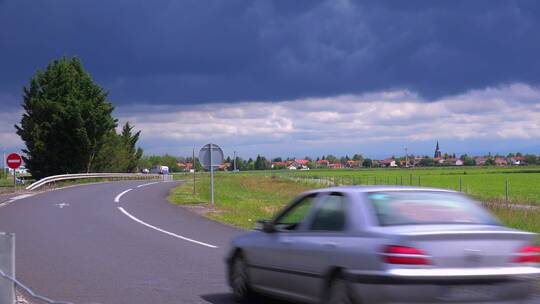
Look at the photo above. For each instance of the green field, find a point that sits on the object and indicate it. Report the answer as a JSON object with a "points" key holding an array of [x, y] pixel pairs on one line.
{"points": [[485, 183], [243, 198]]}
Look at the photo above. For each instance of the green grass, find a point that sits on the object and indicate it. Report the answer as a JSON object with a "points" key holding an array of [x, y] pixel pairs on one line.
{"points": [[485, 183], [6, 182], [241, 199]]}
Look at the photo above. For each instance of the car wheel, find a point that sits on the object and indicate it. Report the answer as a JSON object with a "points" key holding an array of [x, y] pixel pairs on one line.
{"points": [[339, 292], [240, 280]]}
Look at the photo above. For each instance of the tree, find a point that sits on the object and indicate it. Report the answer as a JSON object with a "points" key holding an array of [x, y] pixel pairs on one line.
{"points": [[531, 159], [129, 143], [367, 163], [426, 162], [332, 159], [66, 119], [119, 152], [490, 161], [358, 157], [469, 161]]}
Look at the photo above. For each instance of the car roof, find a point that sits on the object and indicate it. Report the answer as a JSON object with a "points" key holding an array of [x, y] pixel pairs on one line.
{"points": [[365, 189]]}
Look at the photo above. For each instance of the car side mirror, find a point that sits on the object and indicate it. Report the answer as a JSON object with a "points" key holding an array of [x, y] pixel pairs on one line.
{"points": [[265, 226]]}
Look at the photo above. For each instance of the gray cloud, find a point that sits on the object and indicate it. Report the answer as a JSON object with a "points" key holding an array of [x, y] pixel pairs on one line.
{"points": [[190, 52]]}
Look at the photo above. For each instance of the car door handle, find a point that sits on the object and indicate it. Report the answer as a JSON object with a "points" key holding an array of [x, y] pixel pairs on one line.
{"points": [[330, 245]]}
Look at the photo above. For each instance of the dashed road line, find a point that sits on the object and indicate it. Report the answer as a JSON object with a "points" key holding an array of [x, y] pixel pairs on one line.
{"points": [[117, 198], [164, 231], [144, 185]]}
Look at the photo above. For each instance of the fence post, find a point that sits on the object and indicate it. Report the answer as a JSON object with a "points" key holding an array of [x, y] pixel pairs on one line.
{"points": [[7, 264], [418, 180], [507, 189], [460, 184], [410, 180], [401, 179]]}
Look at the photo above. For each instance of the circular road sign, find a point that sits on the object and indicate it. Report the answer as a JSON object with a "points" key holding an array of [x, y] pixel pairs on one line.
{"points": [[210, 152], [14, 161]]}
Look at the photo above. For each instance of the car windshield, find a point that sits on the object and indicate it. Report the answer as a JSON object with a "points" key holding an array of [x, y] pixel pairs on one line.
{"points": [[424, 207]]}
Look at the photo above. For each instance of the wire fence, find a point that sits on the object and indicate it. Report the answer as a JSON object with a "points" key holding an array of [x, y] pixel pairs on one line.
{"points": [[523, 189]]}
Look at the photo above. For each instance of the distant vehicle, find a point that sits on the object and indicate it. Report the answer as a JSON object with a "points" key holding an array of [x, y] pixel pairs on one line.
{"points": [[385, 245], [145, 171], [160, 170]]}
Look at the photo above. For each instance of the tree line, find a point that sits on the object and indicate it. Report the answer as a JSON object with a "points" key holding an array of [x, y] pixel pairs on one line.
{"points": [[68, 127]]}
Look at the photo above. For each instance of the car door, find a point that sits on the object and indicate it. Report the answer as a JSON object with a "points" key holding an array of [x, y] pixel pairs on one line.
{"points": [[270, 268], [311, 251]]}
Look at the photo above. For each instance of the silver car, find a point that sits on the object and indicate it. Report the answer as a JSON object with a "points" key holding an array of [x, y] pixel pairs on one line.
{"points": [[385, 245]]}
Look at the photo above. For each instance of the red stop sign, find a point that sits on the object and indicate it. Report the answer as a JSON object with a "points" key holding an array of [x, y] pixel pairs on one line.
{"points": [[14, 161]]}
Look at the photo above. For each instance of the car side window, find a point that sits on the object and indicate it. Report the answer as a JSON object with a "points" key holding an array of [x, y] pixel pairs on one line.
{"points": [[291, 219], [331, 214]]}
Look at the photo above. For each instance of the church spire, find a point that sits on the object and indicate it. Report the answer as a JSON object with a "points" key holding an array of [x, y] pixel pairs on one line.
{"points": [[437, 151]]}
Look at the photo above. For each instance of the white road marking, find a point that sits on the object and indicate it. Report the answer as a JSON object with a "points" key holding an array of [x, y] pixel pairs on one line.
{"points": [[144, 185], [22, 196], [117, 198], [61, 205], [164, 231], [6, 203]]}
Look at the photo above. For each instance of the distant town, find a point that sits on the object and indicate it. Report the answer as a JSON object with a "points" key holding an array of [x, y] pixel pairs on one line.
{"points": [[439, 158]]}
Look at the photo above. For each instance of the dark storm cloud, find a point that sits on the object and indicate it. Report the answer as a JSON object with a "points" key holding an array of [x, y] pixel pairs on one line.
{"points": [[186, 52]]}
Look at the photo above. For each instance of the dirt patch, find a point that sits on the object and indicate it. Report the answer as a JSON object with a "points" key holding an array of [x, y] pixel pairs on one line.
{"points": [[202, 209]]}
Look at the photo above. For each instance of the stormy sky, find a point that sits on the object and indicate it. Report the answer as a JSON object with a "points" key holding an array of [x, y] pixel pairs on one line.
{"points": [[293, 78]]}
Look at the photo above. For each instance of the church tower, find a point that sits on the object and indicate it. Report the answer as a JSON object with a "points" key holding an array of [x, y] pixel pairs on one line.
{"points": [[438, 153]]}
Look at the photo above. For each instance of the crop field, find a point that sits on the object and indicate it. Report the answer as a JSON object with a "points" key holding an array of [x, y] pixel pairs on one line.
{"points": [[242, 198], [485, 183]]}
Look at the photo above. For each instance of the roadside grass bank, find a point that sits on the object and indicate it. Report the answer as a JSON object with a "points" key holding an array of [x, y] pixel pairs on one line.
{"points": [[241, 199]]}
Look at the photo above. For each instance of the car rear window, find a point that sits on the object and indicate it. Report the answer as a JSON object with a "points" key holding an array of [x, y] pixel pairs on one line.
{"points": [[423, 208]]}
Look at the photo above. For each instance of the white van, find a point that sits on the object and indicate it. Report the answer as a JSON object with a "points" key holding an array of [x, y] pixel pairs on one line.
{"points": [[160, 170]]}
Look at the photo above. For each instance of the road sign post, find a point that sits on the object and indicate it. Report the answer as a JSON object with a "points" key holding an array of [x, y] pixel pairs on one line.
{"points": [[14, 162], [210, 157]]}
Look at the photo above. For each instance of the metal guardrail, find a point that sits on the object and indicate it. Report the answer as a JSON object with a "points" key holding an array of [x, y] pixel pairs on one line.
{"points": [[28, 290], [57, 178]]}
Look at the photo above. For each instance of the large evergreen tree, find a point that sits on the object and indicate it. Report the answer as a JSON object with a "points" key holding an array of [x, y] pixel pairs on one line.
{"points": [[66, 119], [120, 152]]}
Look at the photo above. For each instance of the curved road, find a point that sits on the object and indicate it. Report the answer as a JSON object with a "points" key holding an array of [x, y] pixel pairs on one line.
{"points": [[87, 244]]}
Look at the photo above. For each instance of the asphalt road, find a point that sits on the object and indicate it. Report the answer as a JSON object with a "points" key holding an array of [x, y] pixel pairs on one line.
{"points": [[76, 245]]}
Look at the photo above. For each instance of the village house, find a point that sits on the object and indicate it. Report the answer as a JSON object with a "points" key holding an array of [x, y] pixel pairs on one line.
{"points": [[480, 160], [499, 161], [352, 164], [335, 166], [517, 160], [322, 163], [388, 163], [186, 167]]}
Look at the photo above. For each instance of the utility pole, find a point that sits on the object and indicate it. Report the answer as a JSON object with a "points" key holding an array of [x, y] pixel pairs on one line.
{"points": [[4, 161], [406, 158], [212, 174], [193, 167], [234, 170]]}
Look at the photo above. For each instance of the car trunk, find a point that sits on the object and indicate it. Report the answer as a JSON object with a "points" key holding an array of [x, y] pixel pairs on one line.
{"points": [[462, 246]]}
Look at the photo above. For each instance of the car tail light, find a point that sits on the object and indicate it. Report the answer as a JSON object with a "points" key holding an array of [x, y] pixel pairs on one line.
{"points": [[528, 254], [405, 256]]}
